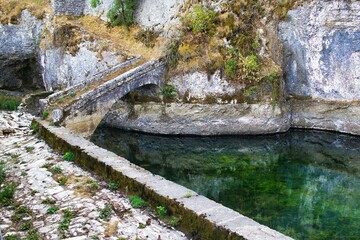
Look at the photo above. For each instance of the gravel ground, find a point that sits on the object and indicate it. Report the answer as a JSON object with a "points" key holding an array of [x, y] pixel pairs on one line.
{"points": [[55, 199]]}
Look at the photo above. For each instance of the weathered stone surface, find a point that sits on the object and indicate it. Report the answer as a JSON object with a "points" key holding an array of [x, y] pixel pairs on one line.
{"points": [[334, 116], [322, 44], [18, 64], [158, 15], [68, 7], [57, 115], [199, 85], [201, 119], [62, 70]]}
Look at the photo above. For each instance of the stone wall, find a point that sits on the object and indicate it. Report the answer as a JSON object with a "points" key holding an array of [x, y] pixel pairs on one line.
{"points": [[322, 50], [68, 7]]}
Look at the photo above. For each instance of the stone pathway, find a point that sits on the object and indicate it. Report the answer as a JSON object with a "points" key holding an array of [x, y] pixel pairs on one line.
{"points": [[55, 199]]}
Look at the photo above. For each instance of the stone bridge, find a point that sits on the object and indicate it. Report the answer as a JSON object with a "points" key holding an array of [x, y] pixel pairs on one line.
{"points": [[86, 113]]}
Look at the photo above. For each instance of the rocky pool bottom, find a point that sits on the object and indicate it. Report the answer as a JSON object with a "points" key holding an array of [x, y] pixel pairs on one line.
{"points": [[305, 184]]}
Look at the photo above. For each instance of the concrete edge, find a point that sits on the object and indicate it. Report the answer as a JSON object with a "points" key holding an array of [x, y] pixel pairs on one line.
{"points": [[201, 218]]}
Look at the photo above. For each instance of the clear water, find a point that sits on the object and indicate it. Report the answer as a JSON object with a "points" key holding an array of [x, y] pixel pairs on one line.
{"points": [[305, 184]]}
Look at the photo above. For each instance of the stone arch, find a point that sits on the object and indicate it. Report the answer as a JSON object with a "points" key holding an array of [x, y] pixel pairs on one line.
{"points": [[84, 116]]}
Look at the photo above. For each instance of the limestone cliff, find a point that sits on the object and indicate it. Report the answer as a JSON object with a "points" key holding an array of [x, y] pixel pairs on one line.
{"points": [[18, 53], [322, 50]]}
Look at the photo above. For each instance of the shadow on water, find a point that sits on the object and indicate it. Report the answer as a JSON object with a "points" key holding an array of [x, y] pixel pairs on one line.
{"points": [[303, 183]]}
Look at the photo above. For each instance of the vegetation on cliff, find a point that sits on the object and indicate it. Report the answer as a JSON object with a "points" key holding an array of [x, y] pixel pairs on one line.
{"points": [[235, 40], [10, 10]]}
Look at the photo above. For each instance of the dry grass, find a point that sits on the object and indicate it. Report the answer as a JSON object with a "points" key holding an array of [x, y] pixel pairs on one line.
{"points": [[117, 37], [10, 10], [111, 229]]}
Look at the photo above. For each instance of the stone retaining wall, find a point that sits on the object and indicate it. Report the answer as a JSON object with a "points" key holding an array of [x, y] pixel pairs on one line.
{"points": [[201, 218]]}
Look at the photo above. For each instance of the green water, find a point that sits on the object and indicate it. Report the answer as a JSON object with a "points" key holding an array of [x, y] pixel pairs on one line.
{"points": [[305, 184]]}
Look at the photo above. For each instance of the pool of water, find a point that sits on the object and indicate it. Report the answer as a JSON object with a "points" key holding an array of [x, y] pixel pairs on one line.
{"points": [[305, 184]]}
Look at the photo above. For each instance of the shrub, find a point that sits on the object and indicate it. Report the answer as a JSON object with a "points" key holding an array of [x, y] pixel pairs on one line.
{"points": [[56, 170], [113, 185], [231, 67], [62, 180], [171, 54], [168, 92], [45, 114], [65, 223], [251, 91], [137, 202], [95, 3], [122, 13], [7, 194], [68, 156], [25, 226], [250, 64], [33, 235], [9, 103], [147, 37], [12, 237], [161, 211], [48, 201], [105, 213], [52, 209], [29, 149], [34, 126], [201, 19], [2, 172]]}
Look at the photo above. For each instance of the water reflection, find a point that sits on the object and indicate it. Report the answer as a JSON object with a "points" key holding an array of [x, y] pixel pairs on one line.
{"points": [[303, 183]]}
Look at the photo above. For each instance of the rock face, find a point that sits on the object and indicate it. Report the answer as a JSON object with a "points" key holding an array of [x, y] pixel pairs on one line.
{"points": [[322, 50], [18, 64], [201, 119], [159, 15], [68, 7], [199, 85], [61, 69], [334, 116]]}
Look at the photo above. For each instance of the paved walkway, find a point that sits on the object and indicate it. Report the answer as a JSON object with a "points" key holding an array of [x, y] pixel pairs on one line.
{"points": [[55, 199]]}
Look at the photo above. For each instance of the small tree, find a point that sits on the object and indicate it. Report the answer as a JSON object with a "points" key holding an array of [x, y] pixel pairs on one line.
{"points": [[122, 13], [168, 92]]}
